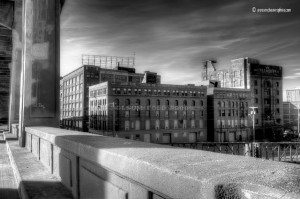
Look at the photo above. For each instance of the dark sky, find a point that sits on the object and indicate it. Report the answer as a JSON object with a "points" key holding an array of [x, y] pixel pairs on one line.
{"points": [[173, 37]]}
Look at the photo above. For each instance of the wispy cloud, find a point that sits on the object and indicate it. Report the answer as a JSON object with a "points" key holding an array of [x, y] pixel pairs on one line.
{"points": [[173, 37]]}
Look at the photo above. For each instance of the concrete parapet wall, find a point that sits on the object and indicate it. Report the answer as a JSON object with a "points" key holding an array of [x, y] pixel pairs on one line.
{"points": [[94, 166]]}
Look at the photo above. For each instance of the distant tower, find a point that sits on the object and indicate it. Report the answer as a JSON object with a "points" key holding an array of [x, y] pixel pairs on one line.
{"points": [[207, 69]]}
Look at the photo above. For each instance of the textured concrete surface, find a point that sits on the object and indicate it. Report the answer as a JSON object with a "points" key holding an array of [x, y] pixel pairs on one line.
{"points": [[35, 180], [180, 173], [8, 186]]}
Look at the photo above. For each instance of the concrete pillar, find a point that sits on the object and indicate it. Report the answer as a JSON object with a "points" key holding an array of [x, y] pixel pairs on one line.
{"points": [[16, 65], [39, 92]]}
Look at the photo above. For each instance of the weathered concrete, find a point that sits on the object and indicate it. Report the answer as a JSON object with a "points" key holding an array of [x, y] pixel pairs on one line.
{"points": [[6, 13], [139, 169], [8, 186], [16, 64], [34, 180], [39, 93]]}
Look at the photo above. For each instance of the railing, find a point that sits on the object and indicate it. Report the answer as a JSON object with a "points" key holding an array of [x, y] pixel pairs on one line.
{"points": [[277, 151]]}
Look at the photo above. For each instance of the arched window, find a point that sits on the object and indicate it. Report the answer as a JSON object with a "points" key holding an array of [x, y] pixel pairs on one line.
{"points": [[138, 102], [116, 101], [167, 103], [193, 103], [184, 103], [219, 104], [201, 103], [157, 102], [127, 102]]}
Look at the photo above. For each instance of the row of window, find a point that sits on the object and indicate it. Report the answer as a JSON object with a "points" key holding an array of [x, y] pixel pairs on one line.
{"points": [[99, 92], [158, 102], [232, 123], [71, 89], [130, 91], [233, 113], [266, 83], [230, 104], [74, 80], [71, 98]]}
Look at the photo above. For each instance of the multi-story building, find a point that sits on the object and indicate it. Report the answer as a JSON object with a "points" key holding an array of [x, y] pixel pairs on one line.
{"points": [[291, 109], [74, 89], [5, 60], [149, 112], [227, 116], [265, 83], [290, 116]]}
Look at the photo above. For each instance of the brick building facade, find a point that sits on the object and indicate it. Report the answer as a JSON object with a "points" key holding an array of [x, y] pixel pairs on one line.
{"points": [[228, 119], [265, 83]]}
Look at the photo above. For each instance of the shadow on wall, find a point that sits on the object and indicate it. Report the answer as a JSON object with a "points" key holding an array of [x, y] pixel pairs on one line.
{"points": [[8, 193]]}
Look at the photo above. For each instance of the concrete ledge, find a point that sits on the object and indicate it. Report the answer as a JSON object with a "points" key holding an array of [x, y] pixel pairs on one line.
{"points": [[33, 179], [9, 136], [173, 172]]}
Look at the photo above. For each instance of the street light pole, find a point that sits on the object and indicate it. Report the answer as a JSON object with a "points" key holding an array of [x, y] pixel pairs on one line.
{"points": [[252, 114], [298, 120]]}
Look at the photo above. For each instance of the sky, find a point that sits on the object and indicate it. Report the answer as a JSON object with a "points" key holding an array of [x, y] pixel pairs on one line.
{"points": [[174, 37]]}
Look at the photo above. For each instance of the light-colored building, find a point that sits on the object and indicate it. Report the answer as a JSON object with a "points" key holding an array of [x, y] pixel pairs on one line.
{"points": [[149, 112], [291, 109]]}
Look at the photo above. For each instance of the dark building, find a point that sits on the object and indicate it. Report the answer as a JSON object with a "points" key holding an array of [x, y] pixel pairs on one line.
{"points": [[265, 83], [227, 115], [74, 86], [5, 60], [149, 112]]}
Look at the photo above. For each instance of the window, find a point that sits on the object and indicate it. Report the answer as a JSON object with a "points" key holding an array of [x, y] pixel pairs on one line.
{"points": [[255, 91], [166, 124], [193, 103], [201, 103], [176, 102], [184, 124], [127, 102], [256, 100], [255, 82], [157, 124], [127, 114], [157, 113], [157, 103]]}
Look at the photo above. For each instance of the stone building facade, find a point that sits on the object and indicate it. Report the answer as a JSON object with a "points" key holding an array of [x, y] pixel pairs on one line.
{"points": [[149, 112]]}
